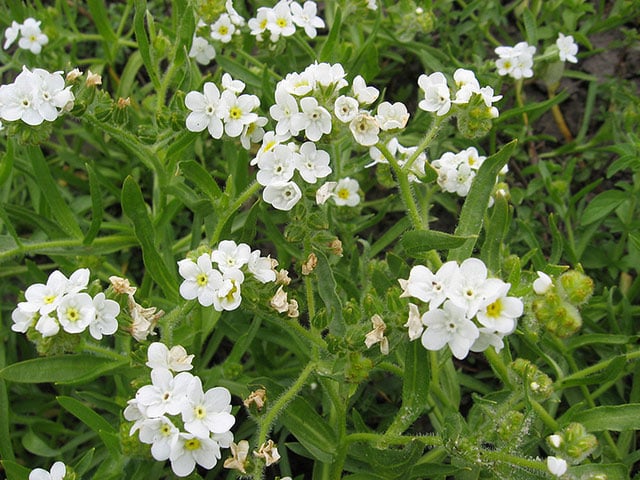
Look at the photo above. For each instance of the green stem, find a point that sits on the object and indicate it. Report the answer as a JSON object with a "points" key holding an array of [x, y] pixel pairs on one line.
{"points": [[500, 456], [426, 141], [244, 196], [405, 188], [385, 440], [266, 422], [498, 365], [164, 86], [104, 352], [548, 420], [585, 372]]}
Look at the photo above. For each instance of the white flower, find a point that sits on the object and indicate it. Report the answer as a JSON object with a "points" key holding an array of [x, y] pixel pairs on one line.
{"points": [[276, 165], [437, 97], [205, 413], [557, 466], [201, 280], [202, 51], [32, 37], [176, 358], [161, 434], [105, 322], [470, 289], [46, 298], [346, 192], [306, 17], [392, 116], [78, 280], [223, 28], [501, 314], [464, 78], [134, 412], [57, 472], [297, 83], [262, 268], [429, 287], [567, 48], [166, 394], [314, 119], [11, 33], [282, 196], [365, 129], [76, 312], [364, 94], [517, 61], [19, 100], [414, 322], [22, 319], [283, 111], [542, 284], [204, 110], [237, 111], [231, 256], [345, 108], [312, 163], [229, 83], [188, 450], [488, 338], [280, 21], [253, 132], [449, 326], [233, 14], [327, 74], [47, 326], [228, 296], [258, 25]]}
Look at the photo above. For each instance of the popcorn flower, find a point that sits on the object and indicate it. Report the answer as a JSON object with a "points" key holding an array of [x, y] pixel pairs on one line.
{"points": [[567, 48], [57, 472]]}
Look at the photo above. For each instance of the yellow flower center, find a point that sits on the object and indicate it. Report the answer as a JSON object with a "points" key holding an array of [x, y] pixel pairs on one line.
{"points": [[223, 30], [192, 444], [281, 22], [49, 299], [72, 314], [202, 279], [235, 113], [343, 193], [165, 430], [200, 411], [495, 309]]}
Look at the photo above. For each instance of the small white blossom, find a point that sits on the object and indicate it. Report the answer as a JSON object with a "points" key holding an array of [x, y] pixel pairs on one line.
{"points": [[567, 48], [204, 111], [363, 93], [76, 312], [176, 358], [312, 163], [314, 119], [437, 97], [32, 37], [105, 322], [346, 192], [231, 256], [392, 116], [449, 326], [282, 196], [201, 280], [345, 108], [557, 466], [57, 472], [202, 51], [542, 284], [223, 29], [189, 450], [365, 129], [306, 17]]}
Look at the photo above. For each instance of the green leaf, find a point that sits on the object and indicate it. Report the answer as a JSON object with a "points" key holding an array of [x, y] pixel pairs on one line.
{"points": [[6, 167], [495, 234], [134, 207], [240, 72], [600, 338], [330, 49], [197, 174], [389, 463], [611, 471], [92, 420], [327, 290], [15, 471], [101, 18], [415, 386], [614, 370], [530, 27], [615, 418], [144, 47], [64, 369], [310, 429], [477, 201], [97, 209], [36, 445], [84, 464], [602, 205], [58, 207], [417, 242]]}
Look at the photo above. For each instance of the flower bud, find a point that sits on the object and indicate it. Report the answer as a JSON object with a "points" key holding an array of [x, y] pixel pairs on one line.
{"points": [[577, 287], [510, 425], [557, 315], [537, 382], [579, 443]]}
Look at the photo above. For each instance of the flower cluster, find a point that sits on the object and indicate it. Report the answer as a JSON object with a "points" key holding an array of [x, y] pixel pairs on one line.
{"points": [[457, 295], [278, 21], [456, 171], [35, 96], [282, 19], [58, 472], [31, 36], [437, 95], [221, 287], [344, 192], [63, 303], [230, 112], [182, 423], [517, 61]]}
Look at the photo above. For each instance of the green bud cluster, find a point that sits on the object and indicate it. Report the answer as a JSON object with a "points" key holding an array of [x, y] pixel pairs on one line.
{"points": [[538, 383], [510, 425], [557, 309], [58, 344], [573, 443], [475, 119]]}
